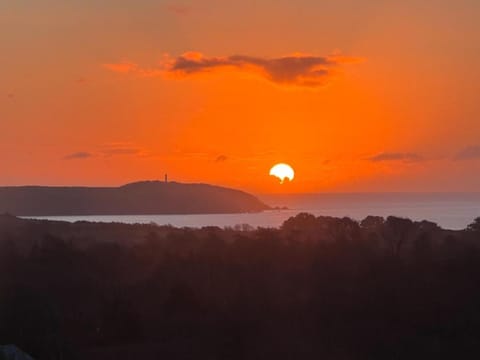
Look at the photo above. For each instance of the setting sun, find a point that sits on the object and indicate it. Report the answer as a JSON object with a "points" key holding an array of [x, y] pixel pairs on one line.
{"points": [[282, 171]]}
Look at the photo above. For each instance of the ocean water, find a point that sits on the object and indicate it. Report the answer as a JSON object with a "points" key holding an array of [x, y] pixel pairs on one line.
{"points": [[449, 210]]}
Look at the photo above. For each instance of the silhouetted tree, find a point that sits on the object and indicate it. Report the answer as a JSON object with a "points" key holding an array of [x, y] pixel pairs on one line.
{"points": [[474, 226], [372, 223], [300, 222], [397, 231], [422, 247]]}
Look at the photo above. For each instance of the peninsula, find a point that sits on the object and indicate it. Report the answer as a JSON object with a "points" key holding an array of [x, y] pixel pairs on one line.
{"points": [[139, 198]]}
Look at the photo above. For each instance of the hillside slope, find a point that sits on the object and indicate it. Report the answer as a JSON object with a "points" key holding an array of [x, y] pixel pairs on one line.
{"points": [[141, 198]]}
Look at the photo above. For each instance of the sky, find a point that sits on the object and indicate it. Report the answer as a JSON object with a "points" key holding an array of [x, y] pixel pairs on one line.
{"points": [[357, 96]]}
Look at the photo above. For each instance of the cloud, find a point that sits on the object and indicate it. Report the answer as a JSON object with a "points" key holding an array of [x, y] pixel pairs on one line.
{"points": [[469, 153], [114, 149], [393, 156], [110, 150], [120, 151], [79, 155], [122, 67], [221, 158], [178, 9], [299, 70], [294, 70]]}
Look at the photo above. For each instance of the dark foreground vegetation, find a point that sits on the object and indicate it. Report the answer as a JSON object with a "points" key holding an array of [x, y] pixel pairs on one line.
{"points": [[318, 288]]}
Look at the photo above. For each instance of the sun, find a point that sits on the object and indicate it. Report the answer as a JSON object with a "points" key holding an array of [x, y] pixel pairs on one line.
{"points": [[282, 171]]}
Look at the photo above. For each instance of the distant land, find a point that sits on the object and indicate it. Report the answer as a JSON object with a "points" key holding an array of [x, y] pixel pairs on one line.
{"points": [[139, 198]]}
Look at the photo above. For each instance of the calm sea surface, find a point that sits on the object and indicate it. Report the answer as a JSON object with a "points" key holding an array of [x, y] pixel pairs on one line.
{"points": [[449, 210]]}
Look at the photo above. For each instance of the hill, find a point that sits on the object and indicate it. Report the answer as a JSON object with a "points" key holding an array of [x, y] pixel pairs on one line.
{"points": [[140, 198]]}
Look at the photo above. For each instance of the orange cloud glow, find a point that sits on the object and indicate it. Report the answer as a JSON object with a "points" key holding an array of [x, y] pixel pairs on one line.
{"points": [[123, 67], [295, 70], [394, 156], [177, 9]]}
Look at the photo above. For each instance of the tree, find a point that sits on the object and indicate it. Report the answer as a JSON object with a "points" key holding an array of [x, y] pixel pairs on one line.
{"points": [[303, 226], [372, 223], [474, 226], [300, 222], [397, 232], [344, 229]]}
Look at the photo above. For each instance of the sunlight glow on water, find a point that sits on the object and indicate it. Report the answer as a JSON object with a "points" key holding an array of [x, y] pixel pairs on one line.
{"points": [[451, 211]]}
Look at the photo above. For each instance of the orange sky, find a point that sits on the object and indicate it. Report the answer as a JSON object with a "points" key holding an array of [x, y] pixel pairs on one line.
{"points": [[367, 95]]}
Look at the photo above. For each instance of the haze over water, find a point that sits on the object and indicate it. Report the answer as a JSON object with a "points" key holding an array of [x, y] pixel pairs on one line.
{"points": [[449, 210]]}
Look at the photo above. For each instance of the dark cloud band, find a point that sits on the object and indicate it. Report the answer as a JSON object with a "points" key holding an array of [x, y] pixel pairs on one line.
{"points": [[78, 155], [295, 70], [300, 70], [392, 156], [469, 153]]}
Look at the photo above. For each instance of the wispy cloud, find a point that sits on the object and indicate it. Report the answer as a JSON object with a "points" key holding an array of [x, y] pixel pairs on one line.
{"points": [[178, 9], [221, 158], [396, 156], [114, 149], [295, 70], [468, 153], [78, 155], [110, 150], [122, 67]]}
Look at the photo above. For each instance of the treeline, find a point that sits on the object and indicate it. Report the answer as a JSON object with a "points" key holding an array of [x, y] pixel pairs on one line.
{"points": [[317, 288]]}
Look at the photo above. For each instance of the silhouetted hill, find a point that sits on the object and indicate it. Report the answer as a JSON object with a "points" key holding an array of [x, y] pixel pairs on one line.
{"points": [[147, 197]]}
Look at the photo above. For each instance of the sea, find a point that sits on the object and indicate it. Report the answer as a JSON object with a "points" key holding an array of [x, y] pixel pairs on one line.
{"points": [[449, 210]]}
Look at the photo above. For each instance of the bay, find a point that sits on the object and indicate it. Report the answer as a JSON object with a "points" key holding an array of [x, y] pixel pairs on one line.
{"points": [[449, 210]]}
